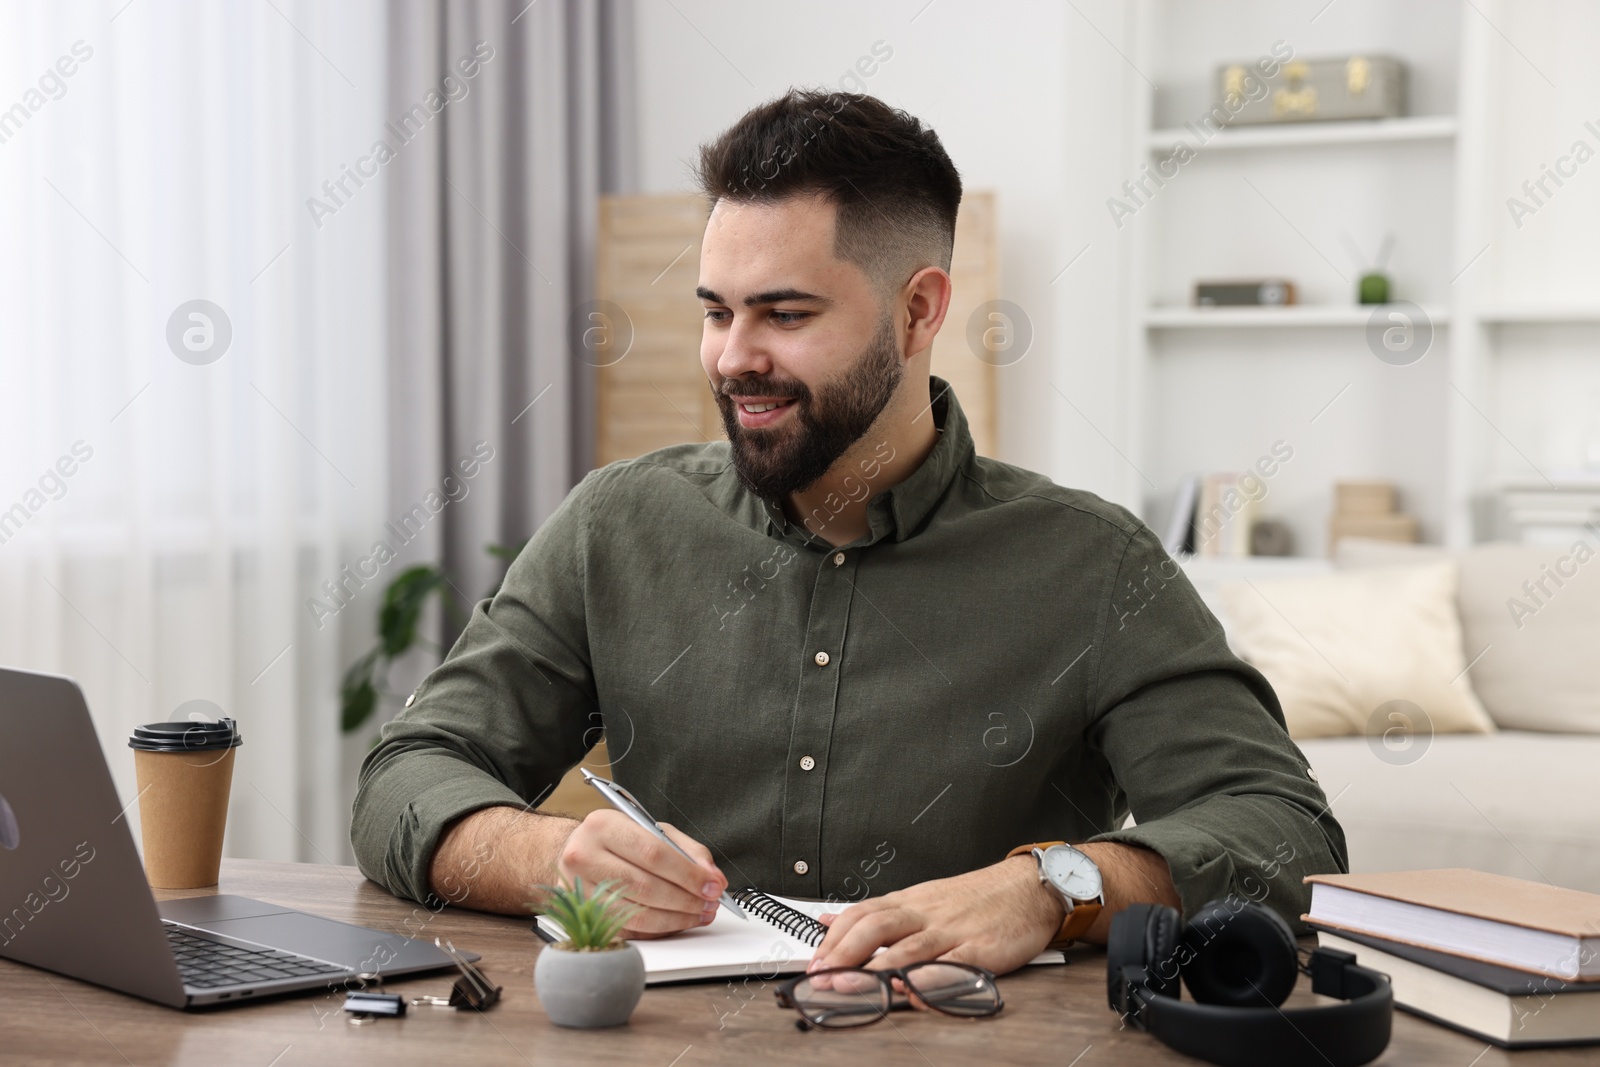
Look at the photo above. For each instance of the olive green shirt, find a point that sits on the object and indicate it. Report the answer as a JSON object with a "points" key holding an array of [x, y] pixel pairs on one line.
{"points": [[999, 661]]}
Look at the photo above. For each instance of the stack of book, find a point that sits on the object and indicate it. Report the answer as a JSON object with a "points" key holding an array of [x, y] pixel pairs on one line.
{"points": [[1368, 509], [1515, 963], [1552, 512]]}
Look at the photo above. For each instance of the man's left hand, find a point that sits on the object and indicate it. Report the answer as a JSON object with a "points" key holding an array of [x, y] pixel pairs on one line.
{"points": [[998, 917]]}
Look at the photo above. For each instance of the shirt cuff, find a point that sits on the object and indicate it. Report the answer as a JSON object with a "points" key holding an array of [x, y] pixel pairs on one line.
{"points": [[408, 855], [1200, 866]]}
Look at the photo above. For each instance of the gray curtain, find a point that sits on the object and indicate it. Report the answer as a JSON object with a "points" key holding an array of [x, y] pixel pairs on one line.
{"points": [[508, 120]]}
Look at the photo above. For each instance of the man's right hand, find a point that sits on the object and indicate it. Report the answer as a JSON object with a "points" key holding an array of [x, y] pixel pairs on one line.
{"points": [[672, 893]]}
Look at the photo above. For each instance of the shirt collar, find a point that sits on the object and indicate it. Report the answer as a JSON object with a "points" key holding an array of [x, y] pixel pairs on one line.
{"points": [[901, 510]]}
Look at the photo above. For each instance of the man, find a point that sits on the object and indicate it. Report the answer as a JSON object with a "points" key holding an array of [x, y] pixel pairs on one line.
{"points": [[845, 657]]}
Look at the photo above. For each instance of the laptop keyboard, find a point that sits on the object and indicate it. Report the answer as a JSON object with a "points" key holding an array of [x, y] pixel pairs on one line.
{"points": [[207, 964]]}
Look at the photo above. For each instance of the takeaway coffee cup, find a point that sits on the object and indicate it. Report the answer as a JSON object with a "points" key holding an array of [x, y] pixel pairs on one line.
{"points": [[185, 770]]}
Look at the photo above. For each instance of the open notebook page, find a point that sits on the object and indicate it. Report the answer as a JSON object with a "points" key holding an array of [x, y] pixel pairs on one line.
{"points": [[729, 947]]}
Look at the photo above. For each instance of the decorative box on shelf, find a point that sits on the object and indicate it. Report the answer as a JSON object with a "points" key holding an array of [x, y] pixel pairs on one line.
{"points": [[1349, 87], [1255, 292]]}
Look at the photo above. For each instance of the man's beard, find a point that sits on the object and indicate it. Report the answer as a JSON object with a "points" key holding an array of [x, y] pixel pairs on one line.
{"points": [[774, 463]]}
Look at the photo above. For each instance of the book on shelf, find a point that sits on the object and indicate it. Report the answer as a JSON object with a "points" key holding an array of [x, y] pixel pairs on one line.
{"points": [[1501, 1005], [1179, 539], [1223, 517], [1511, 922]]}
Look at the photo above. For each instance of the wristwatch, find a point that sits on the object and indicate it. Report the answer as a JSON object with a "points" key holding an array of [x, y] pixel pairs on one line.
{"points": [[1075, 878]]}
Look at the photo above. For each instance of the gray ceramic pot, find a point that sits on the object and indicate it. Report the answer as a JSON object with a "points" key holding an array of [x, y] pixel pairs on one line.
{"points": [[586, 990]]}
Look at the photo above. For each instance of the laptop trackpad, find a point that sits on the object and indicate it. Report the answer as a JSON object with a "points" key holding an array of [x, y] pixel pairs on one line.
{"points": [[308, 935], [194, 911]]}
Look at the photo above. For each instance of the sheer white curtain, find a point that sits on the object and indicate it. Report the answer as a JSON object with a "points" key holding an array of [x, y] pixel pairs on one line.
{"points": [[166, 510]]}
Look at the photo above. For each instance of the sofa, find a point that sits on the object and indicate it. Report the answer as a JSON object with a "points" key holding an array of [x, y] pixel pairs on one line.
{"points": [[1507, 777]]}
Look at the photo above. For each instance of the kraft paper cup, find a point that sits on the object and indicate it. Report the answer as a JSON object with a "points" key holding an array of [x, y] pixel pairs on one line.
{"points": [[185, 772]]}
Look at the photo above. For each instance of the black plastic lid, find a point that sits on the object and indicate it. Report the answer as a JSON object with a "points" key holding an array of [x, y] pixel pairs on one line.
{"points": [[186, 736]]}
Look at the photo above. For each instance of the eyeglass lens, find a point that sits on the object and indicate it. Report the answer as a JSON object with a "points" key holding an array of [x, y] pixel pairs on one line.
{"points": [[846, 998], [953, 989], [842, 998]]}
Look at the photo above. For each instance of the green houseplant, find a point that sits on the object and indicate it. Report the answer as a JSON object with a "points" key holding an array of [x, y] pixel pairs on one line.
{"points": [[365, 682], [593, 978]]}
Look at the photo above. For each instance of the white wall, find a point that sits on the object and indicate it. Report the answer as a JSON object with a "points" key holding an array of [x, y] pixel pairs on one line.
{"points": [[1026, 98], [1543, 392]]}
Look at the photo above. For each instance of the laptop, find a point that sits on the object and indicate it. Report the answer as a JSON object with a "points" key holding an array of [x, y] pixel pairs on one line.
{"points": [[73, 895]]}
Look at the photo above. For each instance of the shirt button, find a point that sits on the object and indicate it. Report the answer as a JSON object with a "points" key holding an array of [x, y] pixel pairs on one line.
{"points": [[838, 558], [801, 866], [412, 699], [1311, 774], [806, 763], [822, 659]]}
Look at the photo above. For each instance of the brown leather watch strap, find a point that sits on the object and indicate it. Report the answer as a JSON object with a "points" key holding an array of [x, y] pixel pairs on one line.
{"points": [[1080, 918], [1077, 923]]}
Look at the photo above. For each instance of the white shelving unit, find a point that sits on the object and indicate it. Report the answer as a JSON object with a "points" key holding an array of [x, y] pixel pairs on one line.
{"points": [[1303, 134], [1506, 388], [1268, 318], [1540, 314]]}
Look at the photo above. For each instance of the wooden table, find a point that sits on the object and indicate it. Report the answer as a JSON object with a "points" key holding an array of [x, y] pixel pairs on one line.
{"points": [[1054, 1015]]}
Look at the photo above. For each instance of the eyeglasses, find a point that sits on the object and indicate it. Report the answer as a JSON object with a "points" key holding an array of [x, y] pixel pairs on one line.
{"points": [[842, 997]]}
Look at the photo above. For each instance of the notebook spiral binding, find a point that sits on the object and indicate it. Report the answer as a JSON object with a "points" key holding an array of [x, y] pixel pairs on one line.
{"points": [[797, 924]]}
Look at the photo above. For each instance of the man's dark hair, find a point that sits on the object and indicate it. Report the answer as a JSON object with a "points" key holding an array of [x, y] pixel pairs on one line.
{"points": [[894, 186]]}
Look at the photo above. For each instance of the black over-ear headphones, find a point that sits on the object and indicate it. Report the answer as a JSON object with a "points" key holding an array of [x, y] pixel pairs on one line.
{"points": [[1239, 961]]}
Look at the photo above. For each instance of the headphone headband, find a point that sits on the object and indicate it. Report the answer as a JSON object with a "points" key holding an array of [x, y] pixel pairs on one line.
{"points": [[1346, 1035], [1143, 947]]}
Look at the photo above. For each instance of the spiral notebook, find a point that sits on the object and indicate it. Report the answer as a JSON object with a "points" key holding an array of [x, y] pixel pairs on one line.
{"points": [[779, 939]]}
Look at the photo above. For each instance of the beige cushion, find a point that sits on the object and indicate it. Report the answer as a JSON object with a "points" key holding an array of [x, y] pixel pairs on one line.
{"points": [[1535, 654], [1341, 648]]}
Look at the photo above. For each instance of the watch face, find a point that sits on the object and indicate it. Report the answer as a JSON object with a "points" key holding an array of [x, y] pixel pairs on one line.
{"points": [[1073, 873]]}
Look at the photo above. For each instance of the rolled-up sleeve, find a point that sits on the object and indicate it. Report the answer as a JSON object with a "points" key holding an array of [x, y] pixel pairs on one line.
{"points": [[510, 710], [1196, 741]]}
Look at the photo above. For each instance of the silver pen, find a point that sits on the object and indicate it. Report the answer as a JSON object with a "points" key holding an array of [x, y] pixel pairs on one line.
{"points": [[629, 805]]}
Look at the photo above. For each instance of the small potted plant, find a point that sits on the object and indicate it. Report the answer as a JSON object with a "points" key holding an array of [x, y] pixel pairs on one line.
{"points": [[593, 978]]}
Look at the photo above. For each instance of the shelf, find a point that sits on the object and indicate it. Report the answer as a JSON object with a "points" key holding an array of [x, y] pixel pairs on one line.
{"points": [[1292, 317], [1209, 574], [1299, 134], [1535, 314], [1236, 567]]}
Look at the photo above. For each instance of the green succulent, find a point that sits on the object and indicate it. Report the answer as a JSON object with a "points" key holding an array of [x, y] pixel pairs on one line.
{"points": [[592, 921]]}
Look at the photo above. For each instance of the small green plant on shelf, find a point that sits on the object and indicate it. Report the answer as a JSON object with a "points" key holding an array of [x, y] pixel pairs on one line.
{"points": [[592, 921], [398, 617]]}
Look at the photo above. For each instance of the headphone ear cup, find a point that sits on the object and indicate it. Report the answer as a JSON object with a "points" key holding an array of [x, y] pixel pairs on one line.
{"points": [[1124, 951], [1161, 946], [1125, 942], [1239, 958], [1142, 939]]}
